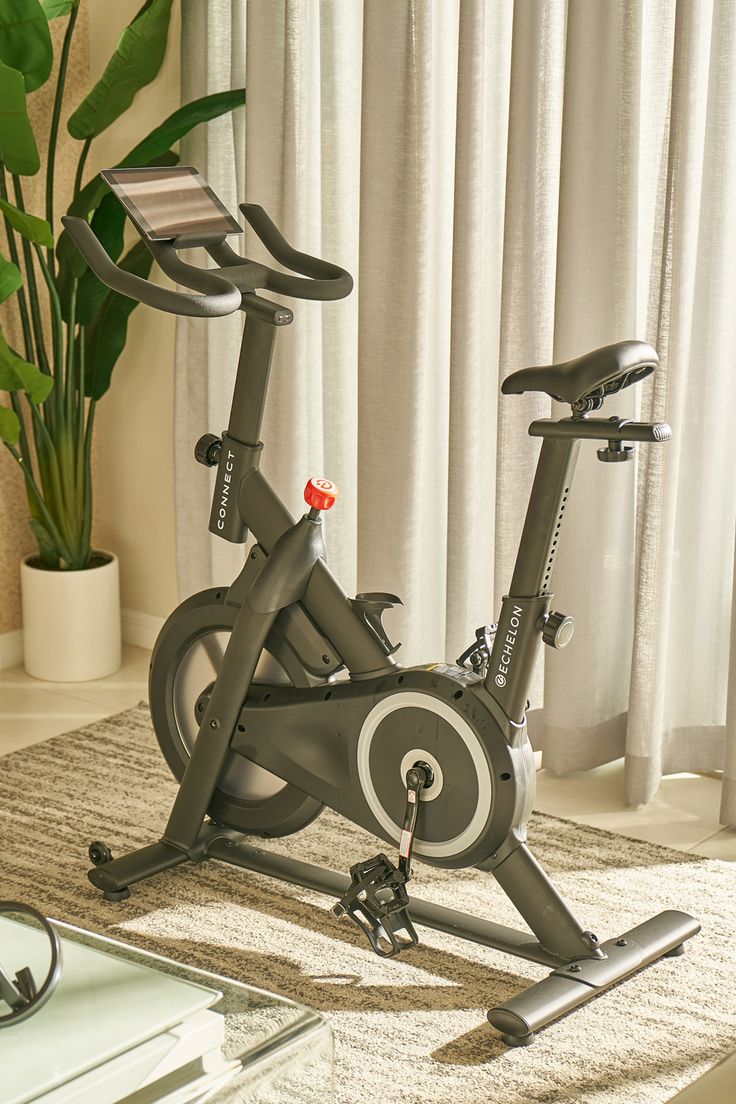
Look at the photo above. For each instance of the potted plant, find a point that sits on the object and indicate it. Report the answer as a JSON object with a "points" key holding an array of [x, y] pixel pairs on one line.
{"points": [[70, 329]]}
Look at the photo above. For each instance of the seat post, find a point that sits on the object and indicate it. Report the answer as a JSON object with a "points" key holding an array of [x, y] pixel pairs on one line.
{"points": [[547, 502], [526, 605]]}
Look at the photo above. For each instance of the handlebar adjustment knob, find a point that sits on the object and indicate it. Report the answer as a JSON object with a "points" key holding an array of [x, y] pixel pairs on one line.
{"points": [[320, 493], [207, 450]]}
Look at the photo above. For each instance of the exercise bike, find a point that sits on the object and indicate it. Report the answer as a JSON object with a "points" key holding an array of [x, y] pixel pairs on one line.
{"points": [[279, 694]]}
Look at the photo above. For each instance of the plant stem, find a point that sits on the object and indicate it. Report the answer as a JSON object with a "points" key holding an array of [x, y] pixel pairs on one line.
{"points": [[79, 427], [64, 452], [57, 323], [42, 508], [46, 449], [87, 532], [57, 331], [24, 446], [69, 380], [80, 166], [41, 358], [21, 293], [54, 131]]}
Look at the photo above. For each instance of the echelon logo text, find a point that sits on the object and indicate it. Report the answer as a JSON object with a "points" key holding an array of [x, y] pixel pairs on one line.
{"points": [[508, 646]]}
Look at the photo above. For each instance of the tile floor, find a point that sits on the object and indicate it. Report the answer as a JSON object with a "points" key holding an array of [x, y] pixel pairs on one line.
{"points": [[684, 814]]}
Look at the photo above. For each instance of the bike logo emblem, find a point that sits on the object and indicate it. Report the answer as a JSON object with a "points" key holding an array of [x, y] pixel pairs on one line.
{"points": [[500, 680]]}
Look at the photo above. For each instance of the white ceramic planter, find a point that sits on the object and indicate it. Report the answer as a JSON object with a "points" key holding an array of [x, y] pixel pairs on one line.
{"points": [[71, 621]]}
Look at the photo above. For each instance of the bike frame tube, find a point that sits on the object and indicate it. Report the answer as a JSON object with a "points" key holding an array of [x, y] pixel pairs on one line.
{"points": [[264, 514], [523, 610], [324, 599]]}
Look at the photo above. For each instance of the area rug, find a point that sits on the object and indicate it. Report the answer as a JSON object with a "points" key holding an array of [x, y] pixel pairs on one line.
{"points": [[412, 1029]]}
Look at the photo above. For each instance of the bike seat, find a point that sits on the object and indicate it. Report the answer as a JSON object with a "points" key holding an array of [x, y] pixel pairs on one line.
{"points": [[593, 375]]}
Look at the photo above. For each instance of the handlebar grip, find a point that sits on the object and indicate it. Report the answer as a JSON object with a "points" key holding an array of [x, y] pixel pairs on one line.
{"points": [[220, 296], [325, 280]]}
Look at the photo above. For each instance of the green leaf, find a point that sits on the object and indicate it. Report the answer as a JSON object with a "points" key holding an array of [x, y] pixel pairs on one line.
{"points": [[10, 278], [9, 426], [105, 337], [155, 147], [25, 41], [55, 8], [180, 123], [134, 64], [18, 150], [32, 228], [17, 374], [47, 550]]}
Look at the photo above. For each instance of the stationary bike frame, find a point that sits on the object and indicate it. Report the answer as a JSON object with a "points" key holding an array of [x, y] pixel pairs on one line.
{"points": [[316, 735], [243, 500], [259, 510]]}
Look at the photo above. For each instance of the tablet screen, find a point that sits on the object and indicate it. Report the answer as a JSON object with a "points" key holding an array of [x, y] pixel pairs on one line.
{"points": [[165, 202]]}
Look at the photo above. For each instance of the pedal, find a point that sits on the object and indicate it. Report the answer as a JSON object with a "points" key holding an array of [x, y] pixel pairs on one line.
{"points": [[377, 899], [378, 903]]}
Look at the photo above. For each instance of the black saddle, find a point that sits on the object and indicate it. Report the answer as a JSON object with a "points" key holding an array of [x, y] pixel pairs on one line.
{"points": [[589, 377]]}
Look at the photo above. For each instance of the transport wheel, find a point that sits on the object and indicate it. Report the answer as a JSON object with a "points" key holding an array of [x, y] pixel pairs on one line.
{"points": [[99, 853], [185, 662]]}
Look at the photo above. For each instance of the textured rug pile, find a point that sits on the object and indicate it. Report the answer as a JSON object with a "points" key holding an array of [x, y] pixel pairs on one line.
{"points": [[412, 1029]]}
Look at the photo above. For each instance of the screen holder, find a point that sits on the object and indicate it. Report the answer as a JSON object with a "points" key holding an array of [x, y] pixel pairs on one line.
{"points": [[167, 202]]}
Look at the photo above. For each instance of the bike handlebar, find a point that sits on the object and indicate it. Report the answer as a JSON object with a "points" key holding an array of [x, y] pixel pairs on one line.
{"points": [[220, 291], [324, 280], [219, 297]]}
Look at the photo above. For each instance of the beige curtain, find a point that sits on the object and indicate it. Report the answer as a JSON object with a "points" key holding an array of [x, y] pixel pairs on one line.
{"points": [[510, 183]]}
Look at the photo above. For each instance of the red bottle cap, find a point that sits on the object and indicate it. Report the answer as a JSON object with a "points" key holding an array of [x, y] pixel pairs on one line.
{"points": [[320, 494]]}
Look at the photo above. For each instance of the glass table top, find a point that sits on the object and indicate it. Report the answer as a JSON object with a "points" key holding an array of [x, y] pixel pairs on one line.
{"points": [[275, 1051]]}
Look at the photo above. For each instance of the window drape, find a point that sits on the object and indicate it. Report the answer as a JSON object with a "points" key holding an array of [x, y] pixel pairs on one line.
{"points": [[511, 183]]}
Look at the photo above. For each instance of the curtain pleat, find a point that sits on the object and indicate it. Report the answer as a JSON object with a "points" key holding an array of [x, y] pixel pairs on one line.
{"points": [[531, 202], [510, 183], [482, 126], [213, 59]]}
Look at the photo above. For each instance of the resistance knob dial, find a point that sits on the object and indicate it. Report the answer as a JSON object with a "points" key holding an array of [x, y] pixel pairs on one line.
{"points": [[321, 494], [557, 629]]}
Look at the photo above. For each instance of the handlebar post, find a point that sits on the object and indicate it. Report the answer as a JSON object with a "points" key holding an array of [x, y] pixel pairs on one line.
{"points": [[251, 380]]}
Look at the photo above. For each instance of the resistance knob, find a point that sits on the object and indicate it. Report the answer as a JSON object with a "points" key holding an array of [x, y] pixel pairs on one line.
{"points": [[320, 494], [557, 629]]}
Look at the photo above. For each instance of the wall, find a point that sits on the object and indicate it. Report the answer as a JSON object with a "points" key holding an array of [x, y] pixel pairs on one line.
{"points": [[133, 457]]}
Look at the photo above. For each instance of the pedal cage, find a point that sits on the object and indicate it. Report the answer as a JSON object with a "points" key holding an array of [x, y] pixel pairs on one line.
{"points": [[378, 903]]}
